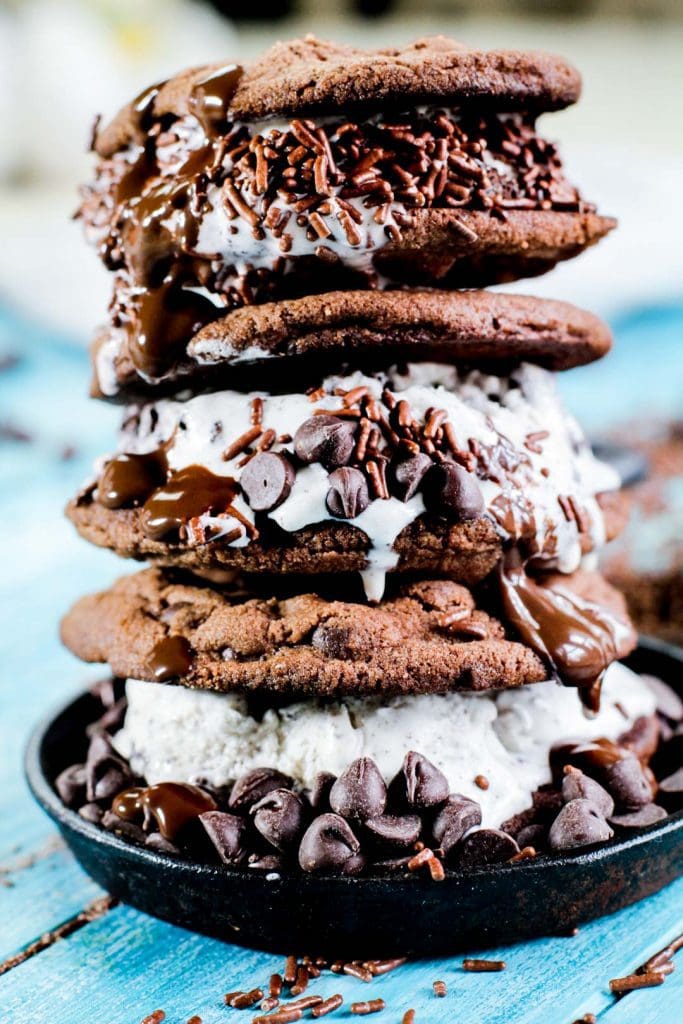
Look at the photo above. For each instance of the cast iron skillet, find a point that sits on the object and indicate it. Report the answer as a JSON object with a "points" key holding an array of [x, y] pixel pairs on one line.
{"points": [[367, 916]]}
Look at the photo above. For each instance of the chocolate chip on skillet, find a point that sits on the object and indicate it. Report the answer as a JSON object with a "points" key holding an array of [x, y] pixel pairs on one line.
{"points": [[319, 795], [644, 816], [577, 786], [628, 784], [106, 773], [70, 784], [267, 480], [325, 439], [532, 835], [408, 474], [395, 830], [348, 494], [451, 491], [670, 791], [266, 862], [155, 841], [128, 829], [457, 816], [228, 834], [486, 846], [669, 704], [329, 844], [91, 812], [254, 785], [423, 784], [360, 792], [642, 738], [280, 818], [579, 823]]}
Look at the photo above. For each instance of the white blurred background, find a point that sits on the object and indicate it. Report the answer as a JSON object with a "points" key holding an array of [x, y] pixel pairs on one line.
{"points": [[63, 61]]}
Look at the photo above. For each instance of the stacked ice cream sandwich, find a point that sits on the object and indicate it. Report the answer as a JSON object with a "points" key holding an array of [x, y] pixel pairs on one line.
{"points": [[371, 614]]}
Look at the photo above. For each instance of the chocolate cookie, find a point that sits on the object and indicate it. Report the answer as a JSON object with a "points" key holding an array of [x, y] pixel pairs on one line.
{"points": [[430, 638], [198, 204], [297, 337], [465, 551]]}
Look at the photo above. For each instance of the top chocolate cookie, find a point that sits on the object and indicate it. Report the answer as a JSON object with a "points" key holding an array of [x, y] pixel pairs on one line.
{"points": [[412, 168]]}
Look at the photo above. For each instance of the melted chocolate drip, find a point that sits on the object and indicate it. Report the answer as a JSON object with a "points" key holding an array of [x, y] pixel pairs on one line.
{"points": [[173, 805], [128, 480], [190, 492], [171, 658], [576, 638], [163, 318], [210, 99]]}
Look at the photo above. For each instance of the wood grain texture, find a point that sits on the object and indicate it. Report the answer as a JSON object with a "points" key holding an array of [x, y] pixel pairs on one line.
{"points": [[124, 965]]}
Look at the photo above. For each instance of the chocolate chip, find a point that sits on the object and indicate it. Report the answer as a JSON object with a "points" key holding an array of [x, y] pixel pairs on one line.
{"points": [[486, 846], [328, 845], [70, 784], [280, 817], [159, 844], [128, 829], [579, 823], [106, 773], [228, 834], [424, 786], [577, 786], [395, 830], [319, 796], [266, 480], [628, 783], [671, 790], [254, 785], [647, 815], [669, 704], [360, 792], [111, 720], [407, 475], [532, 835], [348, 494], [451, 491], [642, 738], [91, 812], [457, 816], [266, 862], [325, 439]]}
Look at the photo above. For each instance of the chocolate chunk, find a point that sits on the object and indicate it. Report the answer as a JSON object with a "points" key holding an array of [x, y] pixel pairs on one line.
{"points": [[579, 823], [420, 782], [328, 845], [408, 474], [669, 704], [532, 835], [91, 812], [486, 846], [128, 829], [647, 815], [577, 786], [228, 834], [106, 773], [360, 792], [280, 818], [395, 830], [669, 755], [254, 785], [457, 816], [671, 790], [348, 494], [628, 784], [70, 784], [110, 721], [325, 439], [267, 480], [319, 796], [451, 491], [642, 738], [155, 841]]}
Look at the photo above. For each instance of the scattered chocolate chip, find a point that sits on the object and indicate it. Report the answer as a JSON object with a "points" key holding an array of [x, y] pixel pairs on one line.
{"points": [[579, 823], [91, 812], [486, 846], [644, 816], [155, 841], [348, 494], [254, 785], [360, 792], [532, 835], [457, 816], [129, 829], [266, 862], [267, 480], [280, 817], [450, 490], [319, 796], [106, 773], [228, 834], [70, 784], [669, 704], [394, 830], [328, 845], [424, 785], [325, 439], [407, 475], [577, 786], [628, 783], [642, 738], [670, 790]]}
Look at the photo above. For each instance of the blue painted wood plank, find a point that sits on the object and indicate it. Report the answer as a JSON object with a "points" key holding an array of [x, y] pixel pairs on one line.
{"points": [[124, 965]]}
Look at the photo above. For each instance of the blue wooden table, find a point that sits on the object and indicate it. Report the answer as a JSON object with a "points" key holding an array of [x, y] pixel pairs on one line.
{"points": [[67, 956]]}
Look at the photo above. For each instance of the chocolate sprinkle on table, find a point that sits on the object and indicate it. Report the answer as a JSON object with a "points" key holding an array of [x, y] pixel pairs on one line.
{"points": [[327, 1006], [370, 1006], [483, 966], [439, 989]]}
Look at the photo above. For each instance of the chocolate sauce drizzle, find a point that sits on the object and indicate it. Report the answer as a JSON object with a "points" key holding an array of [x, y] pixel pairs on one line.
{"points": [[172, 658], [173, 805], [191, 492]]}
